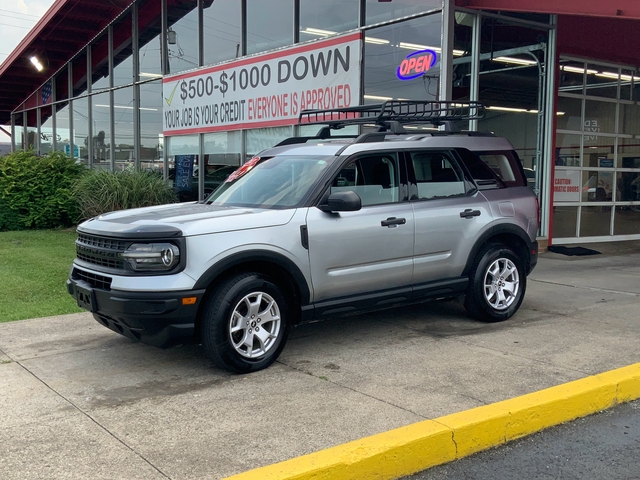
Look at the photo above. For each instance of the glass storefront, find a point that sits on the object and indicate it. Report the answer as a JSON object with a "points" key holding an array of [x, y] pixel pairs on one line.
{"points": [[117, 121], [597, 161]]}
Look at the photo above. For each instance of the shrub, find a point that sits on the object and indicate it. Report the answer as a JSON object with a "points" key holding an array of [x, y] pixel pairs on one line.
{"points": [[37, 192], [101, 191]]}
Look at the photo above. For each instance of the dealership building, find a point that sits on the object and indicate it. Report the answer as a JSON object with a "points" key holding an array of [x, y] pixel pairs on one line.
{"points": [[193, 88]]}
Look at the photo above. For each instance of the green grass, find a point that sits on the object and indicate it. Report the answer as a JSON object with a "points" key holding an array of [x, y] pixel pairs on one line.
{"points": [[34, 266]]}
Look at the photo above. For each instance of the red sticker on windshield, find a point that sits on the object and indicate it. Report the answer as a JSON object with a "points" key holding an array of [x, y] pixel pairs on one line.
{"points": [[243, 169]]}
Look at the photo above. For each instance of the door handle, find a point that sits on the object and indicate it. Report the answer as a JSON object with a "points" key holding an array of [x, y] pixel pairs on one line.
{"points": [[468, 213], [392, 222]]}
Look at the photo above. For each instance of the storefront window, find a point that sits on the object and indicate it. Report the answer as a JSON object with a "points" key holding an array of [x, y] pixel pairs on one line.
{"points": [[571, 76], [565, 220], [260, 138], [627, 220], [46, 130], [377, 11], [323, 18], [598, 151], [602, 81], [629, 118], [122, 52], [123, 124], [222, 31], [183, 160], [387, 76], [599, 117], [101, 130], [62, 84], [79, 74], [18, 132], [628, 186], [149, 28], [567, 150], [81, 128], [569, 114], [182, 36], [595, 221], [610, 163], [629, 152], [221, 157], [597, 186], [269, 25], [151, 139], [62, 130], [100, 63]]}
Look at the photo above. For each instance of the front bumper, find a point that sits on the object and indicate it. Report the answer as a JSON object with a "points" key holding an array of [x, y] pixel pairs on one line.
{"points": [[155, 318]]}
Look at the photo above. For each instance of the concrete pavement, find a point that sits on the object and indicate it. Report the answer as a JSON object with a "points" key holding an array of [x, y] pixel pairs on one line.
{"points": [[78, 401]]}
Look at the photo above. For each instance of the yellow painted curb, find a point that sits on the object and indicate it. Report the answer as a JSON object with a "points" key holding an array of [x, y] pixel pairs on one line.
{"points": [[413, 448]]}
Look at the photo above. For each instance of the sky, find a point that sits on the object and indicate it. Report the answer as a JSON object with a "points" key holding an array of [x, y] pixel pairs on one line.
{"points": [[17, 17]]}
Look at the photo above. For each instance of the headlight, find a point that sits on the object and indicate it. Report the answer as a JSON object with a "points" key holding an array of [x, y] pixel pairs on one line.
{"points": [[143, 257]]}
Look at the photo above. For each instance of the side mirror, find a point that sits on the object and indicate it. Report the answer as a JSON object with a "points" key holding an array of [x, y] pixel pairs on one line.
{"points": [[347, 201]]}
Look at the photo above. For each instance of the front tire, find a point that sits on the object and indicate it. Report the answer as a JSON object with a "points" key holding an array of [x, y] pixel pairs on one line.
{"points": [[245, 323], [497, 284]]}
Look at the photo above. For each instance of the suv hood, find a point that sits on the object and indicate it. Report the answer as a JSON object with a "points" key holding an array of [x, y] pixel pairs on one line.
{"points": [[189, 218]]}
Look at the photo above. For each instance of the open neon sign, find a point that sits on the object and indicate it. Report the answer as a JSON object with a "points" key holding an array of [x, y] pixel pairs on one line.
{"points": [[417, 64]]}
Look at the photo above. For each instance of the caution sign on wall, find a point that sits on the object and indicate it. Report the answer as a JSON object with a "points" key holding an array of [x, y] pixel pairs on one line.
{"points": [[264, 91]]}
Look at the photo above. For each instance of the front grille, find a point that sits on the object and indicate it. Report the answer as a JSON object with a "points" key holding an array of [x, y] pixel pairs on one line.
{"points": [[93, 279], [100, 251], [100, 242]]}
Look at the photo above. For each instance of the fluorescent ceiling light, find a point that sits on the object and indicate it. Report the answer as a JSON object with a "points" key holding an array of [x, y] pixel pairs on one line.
{"points": [[417, 46], [150, 75], [517, 110], [516, 61], [375, 97], [377, 41], [36, 63], [128, 108], [318, 31]]}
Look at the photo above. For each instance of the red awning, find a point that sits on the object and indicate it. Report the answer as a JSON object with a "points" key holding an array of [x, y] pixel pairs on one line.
{"points": [[597, 8]]}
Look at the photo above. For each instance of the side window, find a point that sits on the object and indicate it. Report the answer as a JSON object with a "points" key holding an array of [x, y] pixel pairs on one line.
{"points": [[506, 166], [374, 178], [437, 175]]}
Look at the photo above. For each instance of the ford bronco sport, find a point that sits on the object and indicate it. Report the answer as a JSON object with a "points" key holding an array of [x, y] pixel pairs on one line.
{"points": [[319, 226]]}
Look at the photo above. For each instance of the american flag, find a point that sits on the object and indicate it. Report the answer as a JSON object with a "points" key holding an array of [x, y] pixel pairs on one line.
{"points": [[45, 93]]}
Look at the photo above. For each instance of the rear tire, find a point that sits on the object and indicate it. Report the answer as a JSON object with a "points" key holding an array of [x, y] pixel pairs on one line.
{"points": [[497, 284], [245, 323]]}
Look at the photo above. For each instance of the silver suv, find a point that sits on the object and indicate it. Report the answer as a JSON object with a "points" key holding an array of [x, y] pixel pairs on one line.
{"points": [[319, 226]]}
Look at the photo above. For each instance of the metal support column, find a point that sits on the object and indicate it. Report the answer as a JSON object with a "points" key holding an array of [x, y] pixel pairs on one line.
{"points": [[89, 108], [112, 109], [446, 58], [475, 66], [54, 139], [70, 95], [136, 87], [13, 133], [549, 154]]}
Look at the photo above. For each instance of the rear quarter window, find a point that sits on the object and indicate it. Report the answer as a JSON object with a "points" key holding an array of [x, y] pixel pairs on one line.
{"points": [[494, 169], [506, 166]]}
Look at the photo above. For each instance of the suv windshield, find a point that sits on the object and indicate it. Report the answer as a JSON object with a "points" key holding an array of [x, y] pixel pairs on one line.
{"points": [[278, 182]]}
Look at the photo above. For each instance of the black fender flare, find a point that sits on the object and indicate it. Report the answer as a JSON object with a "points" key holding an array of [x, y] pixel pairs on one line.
{"points": [[256, 256], [509, 229]]}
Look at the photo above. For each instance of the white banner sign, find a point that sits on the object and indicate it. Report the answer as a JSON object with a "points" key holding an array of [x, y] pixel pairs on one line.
{"points": [[566, 185], [264, 91]]}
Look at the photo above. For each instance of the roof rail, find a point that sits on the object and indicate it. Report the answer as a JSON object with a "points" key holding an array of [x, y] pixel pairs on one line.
{"points": [[391, 114]]}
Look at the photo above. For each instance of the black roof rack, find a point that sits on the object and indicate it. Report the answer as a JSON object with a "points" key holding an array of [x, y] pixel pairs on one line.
{"points": [[391, 114], [388, 117]]}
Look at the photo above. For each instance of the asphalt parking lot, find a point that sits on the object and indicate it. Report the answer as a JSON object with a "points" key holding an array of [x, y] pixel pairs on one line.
{"points": [[78, 401]]}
